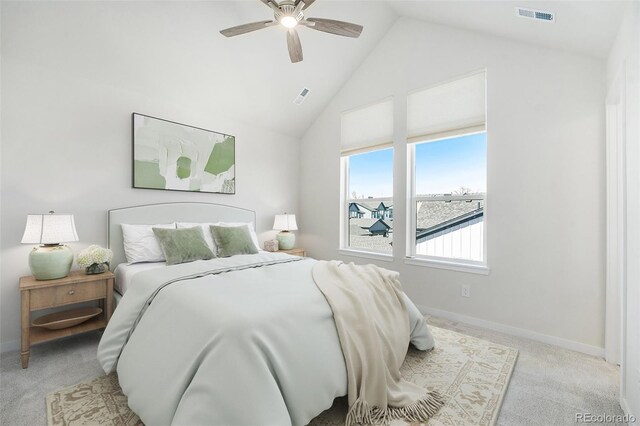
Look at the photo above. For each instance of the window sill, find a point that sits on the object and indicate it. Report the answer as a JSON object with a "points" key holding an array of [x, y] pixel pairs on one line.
{"points": [[366, 254], [450, 265]]}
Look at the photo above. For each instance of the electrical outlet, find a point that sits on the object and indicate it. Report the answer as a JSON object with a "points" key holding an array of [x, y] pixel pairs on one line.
{"points": [[465, 291]]}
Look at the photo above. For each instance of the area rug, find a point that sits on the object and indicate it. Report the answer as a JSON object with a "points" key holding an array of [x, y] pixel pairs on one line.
{"points": [[471, 373]]}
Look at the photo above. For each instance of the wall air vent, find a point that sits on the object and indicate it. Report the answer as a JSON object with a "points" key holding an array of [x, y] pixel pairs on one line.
{"points": [[301, 96], [538, 15]]}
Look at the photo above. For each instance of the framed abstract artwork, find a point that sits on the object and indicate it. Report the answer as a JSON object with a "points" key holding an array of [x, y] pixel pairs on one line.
{"points": [[177, 157]]}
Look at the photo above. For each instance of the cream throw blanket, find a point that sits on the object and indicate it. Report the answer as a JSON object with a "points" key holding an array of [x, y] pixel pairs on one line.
{"points": [[373, 327]]}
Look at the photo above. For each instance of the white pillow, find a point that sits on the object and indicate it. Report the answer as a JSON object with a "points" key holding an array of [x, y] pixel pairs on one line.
{"points": [[208, 238], [140, 243]]}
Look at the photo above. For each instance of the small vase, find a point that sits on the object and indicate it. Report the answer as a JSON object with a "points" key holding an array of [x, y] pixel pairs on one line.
{"points": [[96, 268]]}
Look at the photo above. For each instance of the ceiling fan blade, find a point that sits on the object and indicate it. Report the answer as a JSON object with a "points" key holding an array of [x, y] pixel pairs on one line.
{"points": [[295, 48], [270, 1], [307, 3], [346, 29], [246, 28]]}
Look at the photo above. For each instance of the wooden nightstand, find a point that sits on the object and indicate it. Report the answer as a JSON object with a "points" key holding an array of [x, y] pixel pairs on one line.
{"points": [[295, 252], [75, 288]]}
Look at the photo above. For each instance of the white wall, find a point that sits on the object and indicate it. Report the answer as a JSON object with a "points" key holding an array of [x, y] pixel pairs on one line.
{"points": [[67, 99], [624, 64], [546, 179]]}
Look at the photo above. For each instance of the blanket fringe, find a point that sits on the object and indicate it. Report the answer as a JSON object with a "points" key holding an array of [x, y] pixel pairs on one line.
{"points": [[420, 411]]}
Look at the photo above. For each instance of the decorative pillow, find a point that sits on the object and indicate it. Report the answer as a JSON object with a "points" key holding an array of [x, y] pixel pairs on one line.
{"points": [[250, 225], [140, 243], [205, 231], [232, 240], [183, 245]]}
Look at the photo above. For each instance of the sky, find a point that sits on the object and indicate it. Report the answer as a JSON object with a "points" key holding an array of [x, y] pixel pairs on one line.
{"points": [[442, 167]]}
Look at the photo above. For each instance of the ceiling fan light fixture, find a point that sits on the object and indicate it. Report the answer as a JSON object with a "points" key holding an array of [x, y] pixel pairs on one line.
{"points": [[289, 13], [288, 21]]}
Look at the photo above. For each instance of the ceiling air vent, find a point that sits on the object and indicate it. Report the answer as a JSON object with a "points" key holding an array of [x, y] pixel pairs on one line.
{"points": [[301, 96], [539, 15]]}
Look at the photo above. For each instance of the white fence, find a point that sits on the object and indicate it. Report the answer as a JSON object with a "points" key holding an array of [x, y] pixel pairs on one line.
{"points": [[464, 241]]}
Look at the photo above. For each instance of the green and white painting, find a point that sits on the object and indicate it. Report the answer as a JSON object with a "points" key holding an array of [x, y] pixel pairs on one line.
{"points": [[173, 156]]}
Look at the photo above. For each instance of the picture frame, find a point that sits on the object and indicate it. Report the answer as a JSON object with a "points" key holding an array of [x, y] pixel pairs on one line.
{"points": [[171, 156]]}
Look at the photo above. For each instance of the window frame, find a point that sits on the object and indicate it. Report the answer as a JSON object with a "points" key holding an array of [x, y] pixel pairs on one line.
{"points": [[345, 200], [411, 257]]}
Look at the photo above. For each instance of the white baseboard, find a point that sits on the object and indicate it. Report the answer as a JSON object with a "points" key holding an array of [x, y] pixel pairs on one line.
{"points": [[9, 346], [515, 331], [625, 407]]}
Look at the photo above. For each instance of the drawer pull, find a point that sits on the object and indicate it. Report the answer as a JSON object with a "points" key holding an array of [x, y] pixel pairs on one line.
{"points": [[72, 292]]}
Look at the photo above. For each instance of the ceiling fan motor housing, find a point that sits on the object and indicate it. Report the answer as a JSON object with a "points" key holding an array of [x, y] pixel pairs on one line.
{"points": [[287, 8]]}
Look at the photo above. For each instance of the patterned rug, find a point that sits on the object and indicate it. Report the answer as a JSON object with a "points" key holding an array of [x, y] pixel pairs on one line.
{"points": [[472, 374]]}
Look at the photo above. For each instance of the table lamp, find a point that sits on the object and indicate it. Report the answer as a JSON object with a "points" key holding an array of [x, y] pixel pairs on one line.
{"points": [[50, 260], [285, 223]]}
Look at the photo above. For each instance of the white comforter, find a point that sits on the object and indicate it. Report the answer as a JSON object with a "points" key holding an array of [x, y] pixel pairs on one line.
{"points": [[234, 341]]}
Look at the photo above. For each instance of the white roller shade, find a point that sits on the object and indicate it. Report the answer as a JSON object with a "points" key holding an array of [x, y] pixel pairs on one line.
{"points": [[367, 128], [447, 109]]}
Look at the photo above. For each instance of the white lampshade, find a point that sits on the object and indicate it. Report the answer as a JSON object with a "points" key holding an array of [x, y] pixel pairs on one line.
{"points": [[285, 222], [49, 229]]}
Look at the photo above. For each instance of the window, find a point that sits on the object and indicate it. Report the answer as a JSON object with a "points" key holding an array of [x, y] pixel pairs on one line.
{"points": [[449, 197], [367, 179], [447, 171], [369, 205]]}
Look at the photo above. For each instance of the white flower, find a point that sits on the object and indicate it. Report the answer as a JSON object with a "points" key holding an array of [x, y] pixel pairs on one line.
{"points": [[94, 254]]}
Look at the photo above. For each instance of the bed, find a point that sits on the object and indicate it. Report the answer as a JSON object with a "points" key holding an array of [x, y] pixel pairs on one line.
{"points": [[240, 340]]}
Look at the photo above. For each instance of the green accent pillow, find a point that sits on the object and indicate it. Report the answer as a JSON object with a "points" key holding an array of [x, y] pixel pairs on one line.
{"points": [[232, 240], [183, 245]]}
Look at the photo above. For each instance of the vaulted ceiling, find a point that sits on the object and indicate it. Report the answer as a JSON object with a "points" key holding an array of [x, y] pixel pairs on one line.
{"points": [[587, 27], [141, 46], [270, 82]]}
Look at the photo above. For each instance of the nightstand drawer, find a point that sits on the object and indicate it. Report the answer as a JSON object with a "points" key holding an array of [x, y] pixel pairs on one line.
{"points": [[65, 294], [298, 251]]}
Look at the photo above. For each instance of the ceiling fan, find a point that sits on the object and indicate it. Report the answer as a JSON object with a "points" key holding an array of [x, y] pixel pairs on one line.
{"points": [[289, 14]]}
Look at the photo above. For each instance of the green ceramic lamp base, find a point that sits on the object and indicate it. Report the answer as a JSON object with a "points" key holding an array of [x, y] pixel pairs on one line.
{"points": [[50, 262], [286, 240]]}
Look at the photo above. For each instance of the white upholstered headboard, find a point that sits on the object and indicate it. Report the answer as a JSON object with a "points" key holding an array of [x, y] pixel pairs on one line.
{"points": [[152, 214]]}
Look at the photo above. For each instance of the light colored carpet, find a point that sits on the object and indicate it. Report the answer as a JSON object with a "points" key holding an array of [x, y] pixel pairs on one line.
{"points": [[548, 385], [472, 375]]}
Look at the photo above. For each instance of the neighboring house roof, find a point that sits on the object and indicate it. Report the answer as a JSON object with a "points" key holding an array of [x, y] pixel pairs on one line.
{"points": [[360, 206], [373, 205], [433, 217], [379, 226], [360, 226], [365, 222], [445, 227], [372, 242], [361, 238], [354, 207], [365, 227], [434, 213]]}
